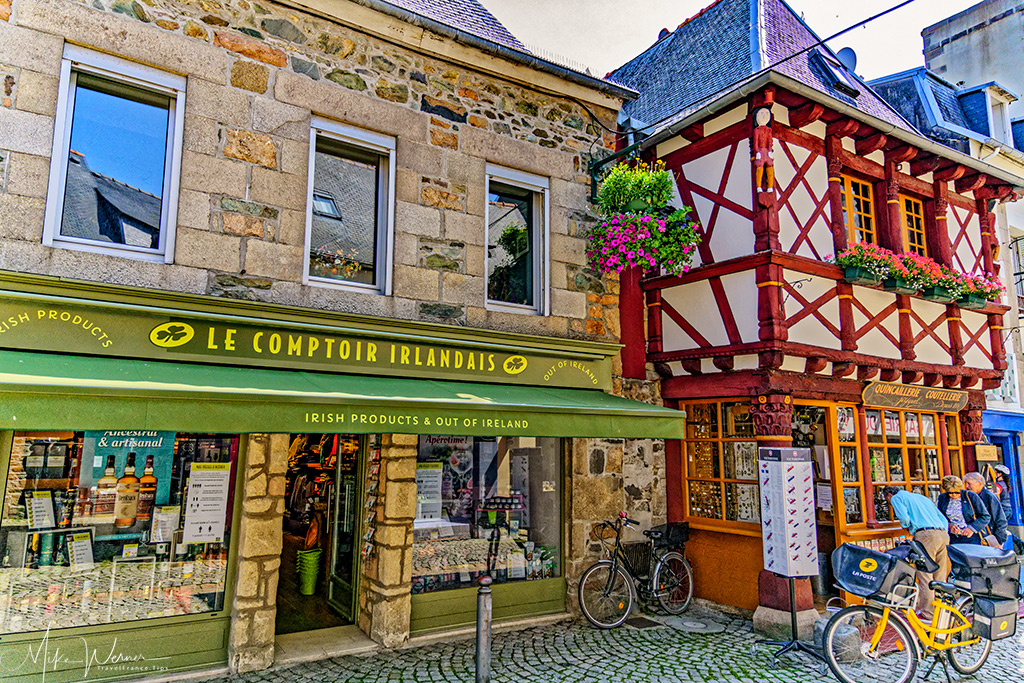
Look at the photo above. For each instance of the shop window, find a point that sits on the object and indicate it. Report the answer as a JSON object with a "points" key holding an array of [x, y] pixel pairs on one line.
{"points": [[516, 240], [112, 527], [350, 207], [721, 462], [116, 157], [904, 449], [858, 209], [849, 465], [913, 226], [486, 505]]}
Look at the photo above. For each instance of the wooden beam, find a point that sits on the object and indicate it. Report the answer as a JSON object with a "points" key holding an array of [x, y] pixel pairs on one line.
{"points": [[693, 133], [814, 364], [844, 127], [723, 363], [867, 372], [932, 379], [951, 381], [952, 172], [889, 374], [870, 144], [843, 369], [922, 165], [901, 154], [691, 365], [994, 192], [969, 183], [808, 113], [987, 384], [912, 376]]}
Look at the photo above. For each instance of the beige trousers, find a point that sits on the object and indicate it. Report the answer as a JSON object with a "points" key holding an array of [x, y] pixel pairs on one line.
{"points": [[935, 542]]}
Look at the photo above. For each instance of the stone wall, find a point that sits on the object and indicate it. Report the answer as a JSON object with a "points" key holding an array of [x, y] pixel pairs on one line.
{"points": [[256, 72], [253, 613]]}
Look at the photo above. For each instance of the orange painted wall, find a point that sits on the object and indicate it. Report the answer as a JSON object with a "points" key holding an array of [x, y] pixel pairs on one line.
{"points": [[725, 567]]}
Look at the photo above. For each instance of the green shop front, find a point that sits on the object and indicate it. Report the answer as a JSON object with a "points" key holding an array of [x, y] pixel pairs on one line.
{"points": [[187, 477]]}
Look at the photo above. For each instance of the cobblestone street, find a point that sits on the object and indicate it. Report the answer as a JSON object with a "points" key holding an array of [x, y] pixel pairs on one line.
{"points": [[574, 651]]}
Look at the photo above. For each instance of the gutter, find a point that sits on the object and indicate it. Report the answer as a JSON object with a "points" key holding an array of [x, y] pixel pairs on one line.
{"points": [[519, 56], [886, 128]]}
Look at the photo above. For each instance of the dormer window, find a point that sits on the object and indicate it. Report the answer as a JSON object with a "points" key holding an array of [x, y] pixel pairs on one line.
{"points": [[835, 73]]}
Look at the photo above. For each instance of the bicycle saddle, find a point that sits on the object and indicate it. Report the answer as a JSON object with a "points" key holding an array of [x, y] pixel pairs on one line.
{"points": [[944, 586], [653, 533]]}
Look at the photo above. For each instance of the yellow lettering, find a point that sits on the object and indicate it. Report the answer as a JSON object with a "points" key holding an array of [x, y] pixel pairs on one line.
{"points": [[275, 343], [256, 342], [229, 339], [65, 317], [458, 359], [430, 358], [294, 345], [405, 355], [392, 354], [210, 343], [314, 344], [490, 362], [471, 362], [445, 358], [53, 315], [345, 350], [371, 352], [359, 350], [418, 356], [330, 346]]}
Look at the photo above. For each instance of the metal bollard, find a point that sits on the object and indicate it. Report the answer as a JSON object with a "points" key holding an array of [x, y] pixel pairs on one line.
{"points": [[483, 631]]}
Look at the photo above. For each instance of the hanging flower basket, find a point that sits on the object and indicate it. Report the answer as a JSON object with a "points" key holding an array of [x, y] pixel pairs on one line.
{"points": [[898, 285], [937, 293], [972, 301], [860, 275]]}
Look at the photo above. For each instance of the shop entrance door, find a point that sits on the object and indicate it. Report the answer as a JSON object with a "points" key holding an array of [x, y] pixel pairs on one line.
{"points": [[341, 590]]}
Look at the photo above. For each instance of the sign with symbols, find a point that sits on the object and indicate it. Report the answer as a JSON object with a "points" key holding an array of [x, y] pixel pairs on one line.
{"points": [[911, 397], [788, 530], [207, 504]]}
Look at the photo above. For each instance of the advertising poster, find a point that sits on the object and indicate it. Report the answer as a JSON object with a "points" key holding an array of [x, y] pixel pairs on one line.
{"points": [[208, 488], [787, 511], [428, 490], [100, 445]]}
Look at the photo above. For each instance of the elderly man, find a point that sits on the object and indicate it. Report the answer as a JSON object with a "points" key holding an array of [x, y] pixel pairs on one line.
{"points": [[919, 515], [998, 524]]}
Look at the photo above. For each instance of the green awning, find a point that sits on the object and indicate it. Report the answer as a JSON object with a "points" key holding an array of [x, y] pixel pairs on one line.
{"points": [[51, 391]]}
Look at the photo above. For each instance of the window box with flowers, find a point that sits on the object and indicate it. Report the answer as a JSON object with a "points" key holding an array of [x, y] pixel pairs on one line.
{"points": [[864, 263], [639, 229], [979, 290]]}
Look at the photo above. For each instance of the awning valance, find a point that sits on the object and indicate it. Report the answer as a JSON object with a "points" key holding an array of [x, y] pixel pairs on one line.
{"points": [[60, 391]]}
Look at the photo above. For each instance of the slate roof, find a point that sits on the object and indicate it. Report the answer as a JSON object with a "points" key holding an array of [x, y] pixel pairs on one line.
{"points": [[937, 108], [466, 15], [726, 44], [100, 208]]}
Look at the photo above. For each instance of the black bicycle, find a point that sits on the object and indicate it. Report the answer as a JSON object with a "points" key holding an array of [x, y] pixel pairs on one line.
{"points": [[655, 570]]}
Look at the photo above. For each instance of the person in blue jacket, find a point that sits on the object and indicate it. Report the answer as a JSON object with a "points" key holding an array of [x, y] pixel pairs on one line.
{"points": [[998, 524], [965, 511]]}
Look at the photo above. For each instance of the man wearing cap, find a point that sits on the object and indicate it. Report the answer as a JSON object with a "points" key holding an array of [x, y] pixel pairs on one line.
{"points": [[1003, 488], [998, 524], [919, 515]]}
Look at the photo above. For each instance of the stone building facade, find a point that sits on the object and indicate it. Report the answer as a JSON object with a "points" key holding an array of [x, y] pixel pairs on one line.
{"points": [[256, 74]]}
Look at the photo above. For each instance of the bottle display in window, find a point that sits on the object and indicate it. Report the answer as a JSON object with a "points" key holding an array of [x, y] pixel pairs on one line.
{"points": [[106, 494], [147, 490], [126, 501]]}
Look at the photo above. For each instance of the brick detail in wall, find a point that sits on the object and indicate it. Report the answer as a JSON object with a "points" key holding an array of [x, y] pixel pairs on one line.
{"points": [[386, 582], [251, 645]]}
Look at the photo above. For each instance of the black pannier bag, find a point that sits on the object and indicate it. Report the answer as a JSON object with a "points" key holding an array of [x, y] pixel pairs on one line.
{"points": [[673, 535], [995, 619], [868, 573], [989, 571]]}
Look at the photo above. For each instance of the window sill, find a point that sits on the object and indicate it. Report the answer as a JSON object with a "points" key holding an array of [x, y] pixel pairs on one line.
{"points": [[91, 248], [343, 285], [499, 307]]}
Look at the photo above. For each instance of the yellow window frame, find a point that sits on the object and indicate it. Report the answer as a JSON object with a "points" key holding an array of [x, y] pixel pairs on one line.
{"points": [[913, 225], [852, 189]]}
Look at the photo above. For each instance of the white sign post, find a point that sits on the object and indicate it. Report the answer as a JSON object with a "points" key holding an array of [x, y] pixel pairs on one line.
{"points": [[787, 511]]}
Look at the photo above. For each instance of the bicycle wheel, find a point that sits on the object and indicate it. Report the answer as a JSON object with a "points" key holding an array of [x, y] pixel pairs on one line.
{"points": [[673, 583], [847, 646], [606, 594], [967, 659]]}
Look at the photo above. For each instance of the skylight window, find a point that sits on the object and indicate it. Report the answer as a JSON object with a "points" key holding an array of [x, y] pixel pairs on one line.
{"points": [[836, 74]]}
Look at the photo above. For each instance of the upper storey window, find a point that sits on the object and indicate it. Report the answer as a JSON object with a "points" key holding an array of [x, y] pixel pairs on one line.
{"points": [[858, 210], [116, 154], [350, 207], [913, 226]]}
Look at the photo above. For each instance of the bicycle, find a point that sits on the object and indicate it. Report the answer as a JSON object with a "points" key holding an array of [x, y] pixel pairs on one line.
{"points": [[884, 639], [654, 569]]}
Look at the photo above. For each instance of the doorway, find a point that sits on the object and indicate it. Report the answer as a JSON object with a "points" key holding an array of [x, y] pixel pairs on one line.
{"points": [[316, 586]]}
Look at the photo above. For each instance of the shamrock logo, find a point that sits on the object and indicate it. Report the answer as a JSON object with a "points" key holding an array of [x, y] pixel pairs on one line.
{"points": [[515, 364], [172, 334]]}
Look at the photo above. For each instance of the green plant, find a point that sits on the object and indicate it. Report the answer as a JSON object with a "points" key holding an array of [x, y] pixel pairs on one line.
{"points": [[647, 241], [624, 183], [509, 280], [985, 286], [337, 265], [872, 258]]}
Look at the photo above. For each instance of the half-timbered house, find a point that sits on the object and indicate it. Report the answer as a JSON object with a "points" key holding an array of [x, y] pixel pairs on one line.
{"points": [[763, 342]]}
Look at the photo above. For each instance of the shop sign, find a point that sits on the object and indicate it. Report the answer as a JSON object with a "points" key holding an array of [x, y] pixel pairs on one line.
{"points": [[986, 452], [910, 397], [70, 326]]}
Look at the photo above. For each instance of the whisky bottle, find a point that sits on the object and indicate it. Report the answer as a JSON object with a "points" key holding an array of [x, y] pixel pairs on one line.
{"points": [[106, 494], [126, 504], [147, 490]]}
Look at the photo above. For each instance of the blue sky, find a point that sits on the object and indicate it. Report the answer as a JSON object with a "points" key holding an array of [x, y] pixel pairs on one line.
{"points": [[122, 139]]}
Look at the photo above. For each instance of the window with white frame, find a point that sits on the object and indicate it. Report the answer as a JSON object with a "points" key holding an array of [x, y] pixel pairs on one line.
{"points": [[116, 157], [350, 207], [517, 239]]}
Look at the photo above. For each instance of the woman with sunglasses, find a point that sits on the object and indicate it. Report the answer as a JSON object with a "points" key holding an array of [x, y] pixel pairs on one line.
{"points": [[965, 511]]}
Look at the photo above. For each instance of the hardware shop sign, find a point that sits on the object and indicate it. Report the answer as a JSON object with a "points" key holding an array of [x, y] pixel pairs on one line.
{"points": [[910, 397]]}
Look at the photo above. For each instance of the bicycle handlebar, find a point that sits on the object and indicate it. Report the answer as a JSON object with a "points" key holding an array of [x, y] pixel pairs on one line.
{"points": [[627, 520]]}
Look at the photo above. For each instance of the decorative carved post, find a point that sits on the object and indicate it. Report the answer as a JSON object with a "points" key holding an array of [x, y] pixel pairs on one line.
{"points": [[906, 332], [766, 218], [971, 434], [772, 415], [890, 234], [956, 344], [770, 314], [988, 238], [937, 227], [995, 332], [833, 148], [847, 331]]}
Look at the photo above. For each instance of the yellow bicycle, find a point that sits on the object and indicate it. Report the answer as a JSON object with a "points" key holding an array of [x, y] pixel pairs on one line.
{"points": [[884, 639]]}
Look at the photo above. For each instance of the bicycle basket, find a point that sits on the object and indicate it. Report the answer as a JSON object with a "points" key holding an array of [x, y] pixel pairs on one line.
{"points": [[868, 573], [638, 558], [673, 535]]}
